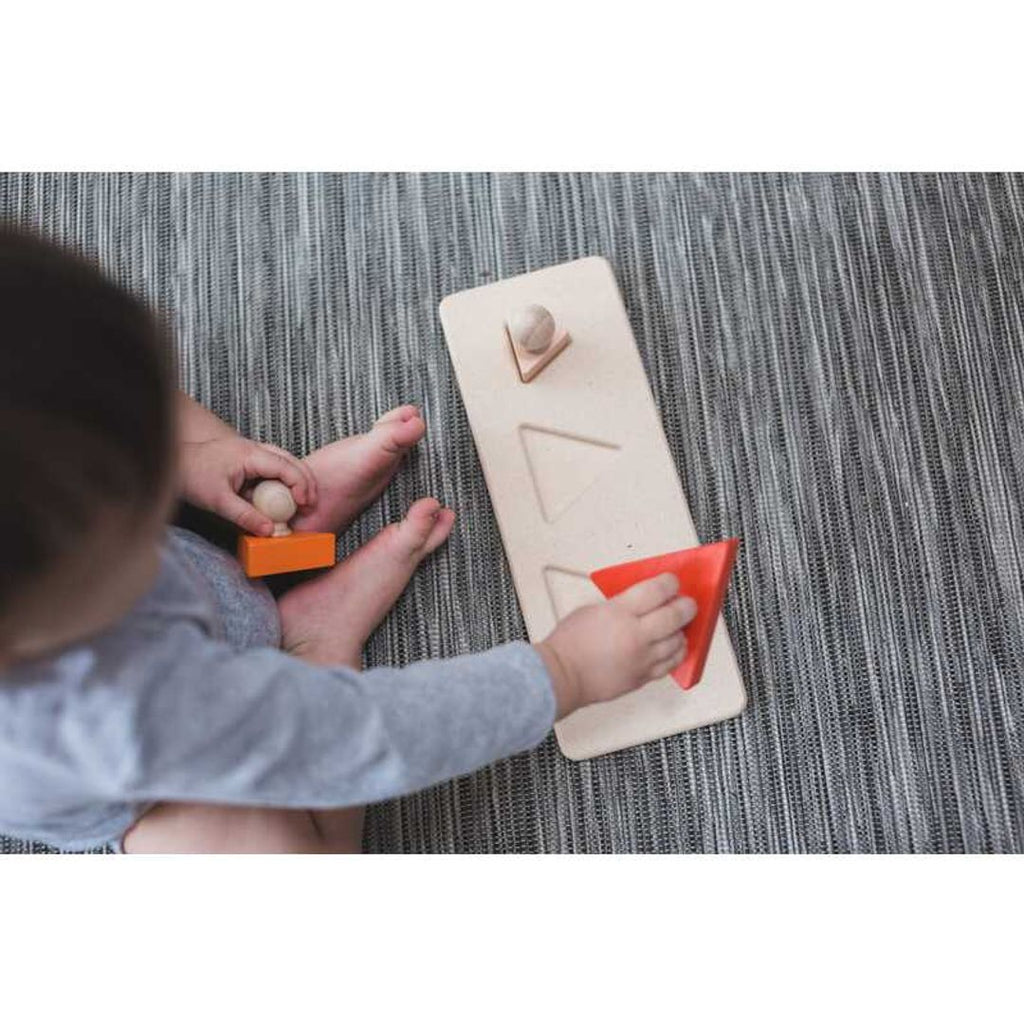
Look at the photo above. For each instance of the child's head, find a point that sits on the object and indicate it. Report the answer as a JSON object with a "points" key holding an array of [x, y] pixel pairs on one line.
{"points": [[86, 444]]}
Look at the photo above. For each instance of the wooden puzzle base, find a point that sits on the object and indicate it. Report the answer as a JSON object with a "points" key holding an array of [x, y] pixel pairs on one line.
{"points": [[581, 477]]}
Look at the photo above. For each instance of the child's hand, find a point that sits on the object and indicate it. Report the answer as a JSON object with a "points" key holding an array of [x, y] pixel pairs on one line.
{"points": [[215, 473], [605, 650]]}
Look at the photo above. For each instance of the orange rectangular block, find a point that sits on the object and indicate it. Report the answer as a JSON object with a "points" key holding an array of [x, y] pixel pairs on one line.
{"points": [[267, 556]]}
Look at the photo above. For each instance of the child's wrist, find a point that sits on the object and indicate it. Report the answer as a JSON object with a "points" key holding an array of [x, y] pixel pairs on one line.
{"points": [[563, 680], [198, 425]]}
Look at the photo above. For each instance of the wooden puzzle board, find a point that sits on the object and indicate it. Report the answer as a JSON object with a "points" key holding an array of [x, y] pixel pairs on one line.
{"points": [[581, 477]]}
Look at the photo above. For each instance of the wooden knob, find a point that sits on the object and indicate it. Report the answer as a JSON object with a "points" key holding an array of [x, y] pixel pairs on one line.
{"points": [[532, 328], [275, 501]]}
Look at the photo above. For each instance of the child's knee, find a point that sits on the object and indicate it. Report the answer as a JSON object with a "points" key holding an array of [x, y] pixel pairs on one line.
{"points": [[209, 828]]}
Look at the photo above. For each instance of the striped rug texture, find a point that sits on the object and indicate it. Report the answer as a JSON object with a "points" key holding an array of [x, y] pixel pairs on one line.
{"points": [[839, 364]]}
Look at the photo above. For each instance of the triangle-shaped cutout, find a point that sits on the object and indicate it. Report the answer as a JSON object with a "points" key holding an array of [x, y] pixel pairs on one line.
{"points": [[568, 590], [563, 467], [703, 575]]}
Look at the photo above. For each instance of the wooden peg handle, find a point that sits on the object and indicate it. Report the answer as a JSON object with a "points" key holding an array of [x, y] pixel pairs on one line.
{"points": [[275, 501]]}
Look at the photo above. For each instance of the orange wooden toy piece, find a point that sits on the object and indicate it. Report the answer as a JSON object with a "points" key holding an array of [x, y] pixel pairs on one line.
{"points": [[703, 575], [266, 556], [285, 551]]}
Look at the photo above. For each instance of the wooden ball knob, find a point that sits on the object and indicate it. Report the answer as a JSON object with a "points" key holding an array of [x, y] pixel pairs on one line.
{"points": [[275, 501], [532, 328]]}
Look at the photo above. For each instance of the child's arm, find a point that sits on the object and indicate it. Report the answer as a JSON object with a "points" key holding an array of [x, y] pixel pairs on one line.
{"points": [[597, 653], [216, 463], [194, 720], [188, 718]]}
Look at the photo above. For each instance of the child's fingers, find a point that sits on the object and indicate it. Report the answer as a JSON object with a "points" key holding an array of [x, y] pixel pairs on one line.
{"points": [[299, 466], [271, 465], [303, 468], [664, 667], [644, 597], [238, 511], [669, 618], [665, 650]]}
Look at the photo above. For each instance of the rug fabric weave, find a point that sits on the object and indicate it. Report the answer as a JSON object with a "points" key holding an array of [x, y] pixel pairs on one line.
{"points": [[839, 364]]}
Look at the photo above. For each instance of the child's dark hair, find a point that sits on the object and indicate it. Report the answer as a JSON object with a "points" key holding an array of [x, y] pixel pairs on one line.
{"points": [[86, 406]]}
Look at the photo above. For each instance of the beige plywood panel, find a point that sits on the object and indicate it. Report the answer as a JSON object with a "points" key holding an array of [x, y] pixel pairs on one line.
{"points": [[581, 477]]}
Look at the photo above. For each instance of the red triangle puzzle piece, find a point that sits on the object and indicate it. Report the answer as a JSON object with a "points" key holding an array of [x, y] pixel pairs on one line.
{"points": [[703, 575]]}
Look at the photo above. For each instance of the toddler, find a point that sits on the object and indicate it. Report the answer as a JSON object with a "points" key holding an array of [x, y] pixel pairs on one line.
{"points": [[154, 699]]}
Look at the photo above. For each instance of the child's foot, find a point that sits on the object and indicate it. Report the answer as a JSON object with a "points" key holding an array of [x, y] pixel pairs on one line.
{"points": [[328, 619], [352, 472]]}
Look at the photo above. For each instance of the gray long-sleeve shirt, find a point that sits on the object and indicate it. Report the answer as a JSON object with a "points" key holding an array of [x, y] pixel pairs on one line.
{"points": [[187, 698]]}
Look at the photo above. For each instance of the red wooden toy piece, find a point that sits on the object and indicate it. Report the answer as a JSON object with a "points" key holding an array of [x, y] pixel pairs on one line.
{"points": [[703, 575]]}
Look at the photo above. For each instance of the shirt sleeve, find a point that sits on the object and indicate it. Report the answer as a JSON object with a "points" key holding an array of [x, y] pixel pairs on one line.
{"points": [[204, 722]]}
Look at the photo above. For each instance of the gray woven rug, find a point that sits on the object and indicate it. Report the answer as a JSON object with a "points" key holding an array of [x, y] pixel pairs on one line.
{"points": [[839, 363]]}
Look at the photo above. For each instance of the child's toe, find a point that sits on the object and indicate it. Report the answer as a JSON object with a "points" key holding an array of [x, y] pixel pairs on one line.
{"points": [[419, 522], [440, 531], [403, 412], [397, 436]]}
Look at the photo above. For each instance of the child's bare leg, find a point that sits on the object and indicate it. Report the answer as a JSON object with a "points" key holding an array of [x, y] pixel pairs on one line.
{"points": [[353, 471], [210, 828], [330, 618], [341, 830], [326, 621]]}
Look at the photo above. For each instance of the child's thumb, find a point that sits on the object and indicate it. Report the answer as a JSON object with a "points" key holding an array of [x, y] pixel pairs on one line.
{"points": [[238, 511]]}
